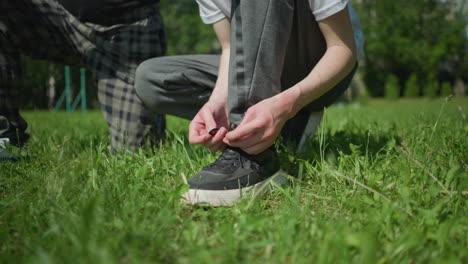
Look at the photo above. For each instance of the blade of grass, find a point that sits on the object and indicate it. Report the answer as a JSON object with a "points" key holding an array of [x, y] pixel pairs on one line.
{"points": [[424, 168]]}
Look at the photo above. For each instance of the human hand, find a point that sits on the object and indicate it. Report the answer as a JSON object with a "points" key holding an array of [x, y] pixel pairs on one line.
{"points": [[261, 126], [211, 115]]}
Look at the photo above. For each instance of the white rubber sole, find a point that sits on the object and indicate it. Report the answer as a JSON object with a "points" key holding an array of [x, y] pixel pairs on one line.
{"points": [[216, 198]]}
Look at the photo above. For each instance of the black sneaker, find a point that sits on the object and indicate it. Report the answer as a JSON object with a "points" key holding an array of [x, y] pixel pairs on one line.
{"points": [[6, 155], [233, 175]]}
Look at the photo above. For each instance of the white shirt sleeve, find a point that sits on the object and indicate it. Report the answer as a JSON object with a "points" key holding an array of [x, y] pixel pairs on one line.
{"points": [[210, 13], [325, 8]]}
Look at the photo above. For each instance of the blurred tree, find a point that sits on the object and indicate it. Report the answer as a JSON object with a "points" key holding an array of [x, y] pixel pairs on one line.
{"points": [[185, 32], [431, 88], [392, 89], [412, 86], [35, 76], [446, 89], [405, 37], [35, 82]]}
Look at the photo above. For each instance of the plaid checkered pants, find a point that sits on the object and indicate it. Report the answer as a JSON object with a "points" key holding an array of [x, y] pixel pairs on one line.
{"points": [[43, 29]]}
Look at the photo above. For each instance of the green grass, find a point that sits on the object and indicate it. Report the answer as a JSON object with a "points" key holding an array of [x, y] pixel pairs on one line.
{"points": [[357, 197]]}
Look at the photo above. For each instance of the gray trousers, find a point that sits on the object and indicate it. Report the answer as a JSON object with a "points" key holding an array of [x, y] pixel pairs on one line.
{"points": [[274, 45]]}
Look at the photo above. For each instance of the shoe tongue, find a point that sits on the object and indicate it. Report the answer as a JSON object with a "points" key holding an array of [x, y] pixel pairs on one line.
{"points": [[229, 154], [239, 155], [228, 157]]}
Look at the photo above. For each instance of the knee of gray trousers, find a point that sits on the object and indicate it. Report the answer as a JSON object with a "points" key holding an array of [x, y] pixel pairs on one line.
{"points": [[166, 92], [146, 88]]}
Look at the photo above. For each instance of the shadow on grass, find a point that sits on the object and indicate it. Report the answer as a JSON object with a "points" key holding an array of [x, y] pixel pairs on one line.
{"points": [[329, 146]]}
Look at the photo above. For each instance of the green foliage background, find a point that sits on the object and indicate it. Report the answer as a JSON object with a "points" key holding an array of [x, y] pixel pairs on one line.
{"points": [[185, 32], [413, 37], [426, 39]]}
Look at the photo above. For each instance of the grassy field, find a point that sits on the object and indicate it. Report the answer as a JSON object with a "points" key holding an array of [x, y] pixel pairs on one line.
{"points": [[383, 182]]}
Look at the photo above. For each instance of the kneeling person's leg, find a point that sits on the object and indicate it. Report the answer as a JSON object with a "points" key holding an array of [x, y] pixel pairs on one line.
{"points": [[177, 85], [258, 47], [34, 28], [12, 125]]}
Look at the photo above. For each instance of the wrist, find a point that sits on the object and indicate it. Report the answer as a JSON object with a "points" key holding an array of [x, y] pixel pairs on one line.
{"points": [[289, 102], [218, 99], [220, 93]]}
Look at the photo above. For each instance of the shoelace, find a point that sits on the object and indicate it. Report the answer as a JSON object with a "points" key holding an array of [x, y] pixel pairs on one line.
{"points": [[229, 157], [3, 142]]}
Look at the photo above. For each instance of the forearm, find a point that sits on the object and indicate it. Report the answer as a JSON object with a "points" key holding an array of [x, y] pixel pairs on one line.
{"points": [[220, 91], [337, 62]]}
